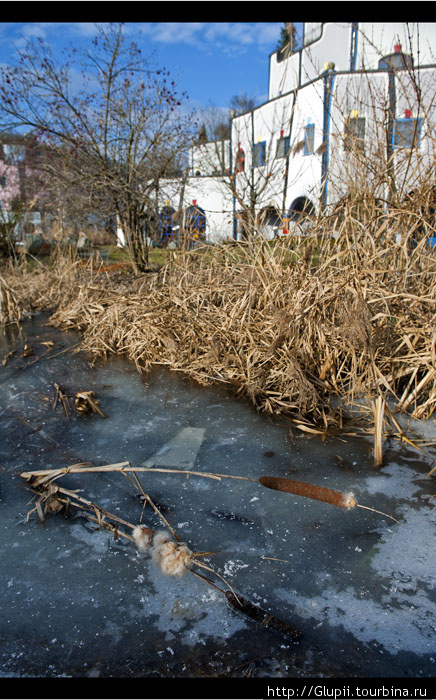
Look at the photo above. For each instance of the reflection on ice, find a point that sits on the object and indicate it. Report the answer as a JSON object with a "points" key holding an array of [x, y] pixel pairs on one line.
{"points": [[181, 451]]}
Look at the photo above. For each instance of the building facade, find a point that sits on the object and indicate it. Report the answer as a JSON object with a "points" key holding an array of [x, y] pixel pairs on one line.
{"points": [[350, 105]]}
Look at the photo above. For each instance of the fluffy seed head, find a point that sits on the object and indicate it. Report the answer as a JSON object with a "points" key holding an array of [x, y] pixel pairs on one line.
{"points": [[161, 537], [172, 558], [143, 537], [349, 500]]}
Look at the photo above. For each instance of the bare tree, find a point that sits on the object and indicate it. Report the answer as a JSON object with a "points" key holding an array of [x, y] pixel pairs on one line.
{"points": [[108, 121], [241, 103], [251, 167]]}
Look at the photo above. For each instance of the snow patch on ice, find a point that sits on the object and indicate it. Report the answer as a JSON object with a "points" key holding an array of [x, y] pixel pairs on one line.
{"points": [[409, 626], [187, 609], [97, 541], [404, 617], [395, 481], [232, 566]]}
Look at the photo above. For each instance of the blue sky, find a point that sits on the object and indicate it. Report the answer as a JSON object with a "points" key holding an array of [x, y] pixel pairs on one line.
{"points": [[211, 61]]}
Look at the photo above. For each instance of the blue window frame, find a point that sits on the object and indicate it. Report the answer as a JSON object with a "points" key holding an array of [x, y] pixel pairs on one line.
{"points": [[283, 144], [259, 153], [166, 222], [309, 139], [407, 133], [195, 221]]}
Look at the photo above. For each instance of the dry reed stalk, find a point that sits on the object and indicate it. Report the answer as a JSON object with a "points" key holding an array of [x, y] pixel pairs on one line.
{"points": [[173, 558], [43, 475], [40, 476], [63, 398], [86, 402], [10, 309], [333, 497], [155, 508], [269, 327], [379, 409]]}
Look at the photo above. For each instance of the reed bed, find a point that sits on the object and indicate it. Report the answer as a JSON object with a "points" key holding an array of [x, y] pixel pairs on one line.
{"points": [[300, 326], [11, 311]]}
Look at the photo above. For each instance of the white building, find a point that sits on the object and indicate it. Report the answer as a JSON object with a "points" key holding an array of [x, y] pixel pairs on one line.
{"points": [[338, 91]]}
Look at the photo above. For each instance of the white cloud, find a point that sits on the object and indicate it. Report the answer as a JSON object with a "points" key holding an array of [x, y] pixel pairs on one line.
{"points": [[83, 29], [229, 37], [36, 30], [174, 32], [269, 32]]}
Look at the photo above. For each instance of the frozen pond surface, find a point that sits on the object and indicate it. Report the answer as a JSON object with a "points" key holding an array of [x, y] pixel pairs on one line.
{"points": [[359, 587]]}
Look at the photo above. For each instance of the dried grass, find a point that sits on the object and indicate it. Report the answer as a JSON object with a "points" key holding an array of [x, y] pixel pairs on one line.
{"points": [[290, 324], [11, 311]]}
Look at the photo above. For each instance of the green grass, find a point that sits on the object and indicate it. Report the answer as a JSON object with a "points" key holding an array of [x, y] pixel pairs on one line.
{"points": [[157, 256]]}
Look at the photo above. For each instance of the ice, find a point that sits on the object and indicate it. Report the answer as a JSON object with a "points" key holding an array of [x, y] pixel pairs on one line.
{"points": [[181, 451], [399, 625], [360, 587]]}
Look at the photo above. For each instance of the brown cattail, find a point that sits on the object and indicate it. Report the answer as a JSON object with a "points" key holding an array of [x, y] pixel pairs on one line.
{"points": [[301, 488], [319, 493]]}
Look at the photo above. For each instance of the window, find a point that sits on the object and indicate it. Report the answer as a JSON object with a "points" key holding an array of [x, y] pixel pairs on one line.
{"points": [[407, 133], [259, 153], [283, 144], [309, 139], [354, 134], [300, 208], [195, 222], [240, 160]]}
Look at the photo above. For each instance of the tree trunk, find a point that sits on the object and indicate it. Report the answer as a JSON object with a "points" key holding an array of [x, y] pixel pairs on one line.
{"points": [[135, 248]]}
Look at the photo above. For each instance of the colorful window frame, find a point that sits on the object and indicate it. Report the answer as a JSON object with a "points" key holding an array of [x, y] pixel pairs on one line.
{"points": [[259, 154], [407, 132], [283, 145], [309, 139]]}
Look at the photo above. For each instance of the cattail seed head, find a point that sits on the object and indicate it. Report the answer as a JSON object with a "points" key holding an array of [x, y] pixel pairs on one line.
{"points": [[172, 558], [143, 537], [348, 500], [301, 488]]}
